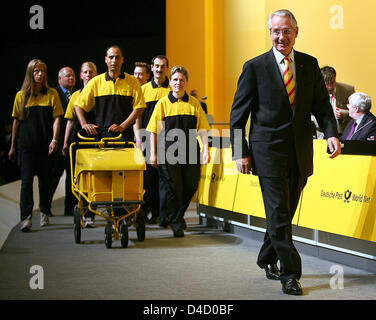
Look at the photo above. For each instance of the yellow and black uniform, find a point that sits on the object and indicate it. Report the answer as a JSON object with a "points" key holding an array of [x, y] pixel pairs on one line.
{"points": [[37, 118], [70, 114], [176, 121], [34, 137], [152, 93], [112, 100]]}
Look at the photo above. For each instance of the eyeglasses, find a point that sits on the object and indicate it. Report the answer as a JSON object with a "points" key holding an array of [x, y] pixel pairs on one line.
{"points": [[277, 32]]}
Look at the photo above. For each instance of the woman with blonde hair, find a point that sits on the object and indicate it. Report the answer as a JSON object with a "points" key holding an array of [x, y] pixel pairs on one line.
{"points": [[35, 129]]}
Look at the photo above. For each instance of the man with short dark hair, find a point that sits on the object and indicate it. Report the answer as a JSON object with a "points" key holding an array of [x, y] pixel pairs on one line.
{"points": [[339, 93], [154, 90], [115, 97], [142, 72]]}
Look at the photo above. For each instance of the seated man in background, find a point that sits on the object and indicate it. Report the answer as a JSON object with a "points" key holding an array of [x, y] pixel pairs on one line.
{"points": [[363, 125]]}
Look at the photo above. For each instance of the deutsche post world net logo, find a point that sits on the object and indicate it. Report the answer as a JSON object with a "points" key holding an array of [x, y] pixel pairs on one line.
{"points": [[347, 196]]}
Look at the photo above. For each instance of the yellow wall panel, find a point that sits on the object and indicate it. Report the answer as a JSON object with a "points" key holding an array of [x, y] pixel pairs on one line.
{"points": [[185, 40], [341, 195], [213, 38], [218, 181]]}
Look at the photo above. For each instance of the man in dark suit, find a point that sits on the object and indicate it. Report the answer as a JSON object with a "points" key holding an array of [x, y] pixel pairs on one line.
{"points": [[67, 81], [280, 148], [363, 124], [339, 93]]}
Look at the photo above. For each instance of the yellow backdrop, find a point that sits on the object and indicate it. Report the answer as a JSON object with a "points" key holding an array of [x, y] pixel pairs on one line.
{"points": [[213, 38]]}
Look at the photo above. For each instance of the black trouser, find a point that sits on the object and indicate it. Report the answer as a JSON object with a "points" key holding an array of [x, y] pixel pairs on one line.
{"points": [[281, 197], [178, 184], [34, 162], [151, 186], [61, 163]]}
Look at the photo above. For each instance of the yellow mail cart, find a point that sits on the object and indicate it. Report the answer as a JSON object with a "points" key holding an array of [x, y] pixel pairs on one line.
{"points": [[107, 179]]}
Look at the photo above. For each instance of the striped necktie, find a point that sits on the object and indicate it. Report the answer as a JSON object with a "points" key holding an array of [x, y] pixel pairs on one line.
{"points": [[332, 100], [289, 81], [68, 95]]}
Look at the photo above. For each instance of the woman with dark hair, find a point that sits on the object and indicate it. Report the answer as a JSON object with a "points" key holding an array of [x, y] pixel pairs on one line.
{"points": [[35, 130]]}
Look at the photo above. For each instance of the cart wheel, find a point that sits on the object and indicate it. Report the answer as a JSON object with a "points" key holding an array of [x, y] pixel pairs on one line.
{"points": [[124, 235], [108, 235], [77, 225], [140, 225]]}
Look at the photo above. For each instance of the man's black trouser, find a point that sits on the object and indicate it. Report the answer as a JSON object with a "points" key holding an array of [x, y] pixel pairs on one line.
{"points": [[151, 186], [281, 197], [62, 163]]}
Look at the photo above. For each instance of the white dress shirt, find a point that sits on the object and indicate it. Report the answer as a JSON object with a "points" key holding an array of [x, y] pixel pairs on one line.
{"points": [[281, 64]]}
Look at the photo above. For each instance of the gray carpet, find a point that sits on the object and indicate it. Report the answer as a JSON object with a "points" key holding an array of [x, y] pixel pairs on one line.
{"points": [[207, 264]]}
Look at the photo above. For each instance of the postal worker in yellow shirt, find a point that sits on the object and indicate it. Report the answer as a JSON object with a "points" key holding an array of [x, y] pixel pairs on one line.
{"points": [[115, 98]]}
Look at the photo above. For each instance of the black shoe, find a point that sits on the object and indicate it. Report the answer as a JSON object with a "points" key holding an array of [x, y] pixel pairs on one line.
{"points": [[68, 212], [154, 220], [292, 286], [49, 214], [164, 223], [272, 272], [183, 224], [179, 233]]}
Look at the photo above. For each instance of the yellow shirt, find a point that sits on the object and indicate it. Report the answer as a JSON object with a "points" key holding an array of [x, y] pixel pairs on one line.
{"points": [[70, 113]]}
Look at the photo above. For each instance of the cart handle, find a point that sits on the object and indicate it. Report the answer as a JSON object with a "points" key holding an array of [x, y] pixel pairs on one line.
{"points": [[102, 139]]}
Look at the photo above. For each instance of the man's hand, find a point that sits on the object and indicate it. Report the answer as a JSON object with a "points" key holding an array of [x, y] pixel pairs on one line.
{"points": [[153, 160], [115, 128], [12, 154], [52, 147], [65, 150], [140, 145], [334, 147], [244, 165], [205, 157], [339, 113], [90, 129]]}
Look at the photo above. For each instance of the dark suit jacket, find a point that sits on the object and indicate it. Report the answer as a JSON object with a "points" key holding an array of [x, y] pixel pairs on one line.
{"points": [[63, 121], [343, 92], [276, 130], [365, 131]]}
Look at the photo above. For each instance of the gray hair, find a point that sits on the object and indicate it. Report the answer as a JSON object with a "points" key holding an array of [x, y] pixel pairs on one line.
{"points": [[283, 13], [361, 100], [180, 70]]}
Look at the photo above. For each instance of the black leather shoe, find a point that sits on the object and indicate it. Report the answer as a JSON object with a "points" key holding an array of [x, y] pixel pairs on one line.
{"points": [[292, 286], [179, 233], [272, 272], [183, 224], [154, 220], [164, 223], [68, 212]]}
